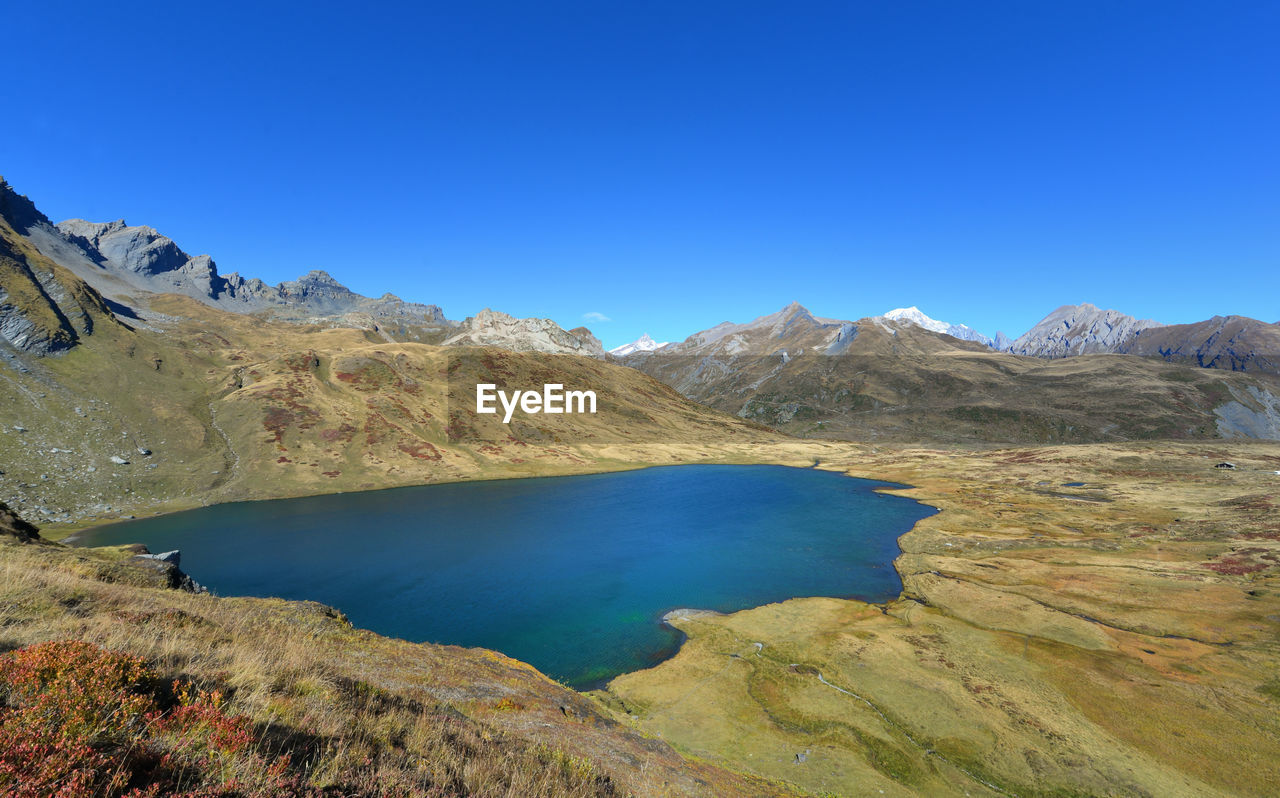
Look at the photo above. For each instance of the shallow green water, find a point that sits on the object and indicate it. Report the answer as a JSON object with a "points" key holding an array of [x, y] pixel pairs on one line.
{"points": [[571, 574]]}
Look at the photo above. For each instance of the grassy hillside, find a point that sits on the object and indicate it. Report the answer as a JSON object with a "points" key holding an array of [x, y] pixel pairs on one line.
{"points": [[211, 406]]}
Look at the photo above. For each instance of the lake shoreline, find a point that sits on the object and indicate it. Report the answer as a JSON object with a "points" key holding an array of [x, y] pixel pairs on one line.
{"points": [[864, 530], [796, 453]]}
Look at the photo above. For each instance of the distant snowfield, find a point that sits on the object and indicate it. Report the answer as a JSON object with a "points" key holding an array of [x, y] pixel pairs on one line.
{"points": [[642, 344], [913, 315]]}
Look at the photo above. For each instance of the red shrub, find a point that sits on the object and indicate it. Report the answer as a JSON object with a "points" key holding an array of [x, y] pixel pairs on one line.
{"points": [[77, 721]]}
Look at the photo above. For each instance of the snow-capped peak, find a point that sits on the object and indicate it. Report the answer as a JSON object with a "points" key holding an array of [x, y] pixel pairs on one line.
{"points": [[913, 315], [642, 344], [916, 317]]}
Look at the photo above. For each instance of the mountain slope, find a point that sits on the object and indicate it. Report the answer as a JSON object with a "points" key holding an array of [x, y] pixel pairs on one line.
{"points": [[228, 407], [190, 403], [1236, 343]]}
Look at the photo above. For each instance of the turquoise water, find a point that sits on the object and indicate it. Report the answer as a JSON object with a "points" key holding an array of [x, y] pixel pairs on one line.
{"points": [[571, 574]]}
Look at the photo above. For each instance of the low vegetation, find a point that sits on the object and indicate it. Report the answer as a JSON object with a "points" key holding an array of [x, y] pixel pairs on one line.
{"points": [[115, 685], [80, 722]]}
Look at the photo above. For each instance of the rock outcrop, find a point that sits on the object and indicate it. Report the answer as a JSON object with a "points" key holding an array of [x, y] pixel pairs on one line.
{"points": [[1253, 413], [165, 567], [116, 245], [491, 328], [11, 524]]}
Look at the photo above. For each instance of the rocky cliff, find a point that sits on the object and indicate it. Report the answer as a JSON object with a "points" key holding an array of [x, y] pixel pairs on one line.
{"points": [[44, 310]]}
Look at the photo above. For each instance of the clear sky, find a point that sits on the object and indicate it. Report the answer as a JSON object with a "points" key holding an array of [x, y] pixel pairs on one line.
{"points": [[671, 165]]}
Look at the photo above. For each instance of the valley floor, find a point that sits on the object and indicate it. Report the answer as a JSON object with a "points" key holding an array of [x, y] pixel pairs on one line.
{"points": [[1095, 619]]}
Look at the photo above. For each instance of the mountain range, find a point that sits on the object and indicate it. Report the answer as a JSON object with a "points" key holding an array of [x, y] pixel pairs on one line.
{"points": [[1081, 375], [1236, 343], [127, 265]]}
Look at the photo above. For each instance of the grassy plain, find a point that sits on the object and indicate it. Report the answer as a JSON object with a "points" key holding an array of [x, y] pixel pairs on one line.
{"points": [[1120, 636]]}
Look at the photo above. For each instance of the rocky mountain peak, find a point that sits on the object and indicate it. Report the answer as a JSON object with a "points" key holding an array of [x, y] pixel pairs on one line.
{"points": [[913, 314], [321, 277], [1078, 330], [790, 318], [315, 285]]}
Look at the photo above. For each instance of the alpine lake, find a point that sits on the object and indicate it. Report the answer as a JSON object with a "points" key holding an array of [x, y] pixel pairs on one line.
{"points": [[570, 574]]}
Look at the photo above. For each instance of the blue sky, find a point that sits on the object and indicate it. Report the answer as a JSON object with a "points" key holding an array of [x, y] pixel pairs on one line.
{"points": [[671, 165]]}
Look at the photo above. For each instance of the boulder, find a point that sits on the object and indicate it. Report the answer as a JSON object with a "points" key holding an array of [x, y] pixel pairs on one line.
{"points": [[172, 557]]}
